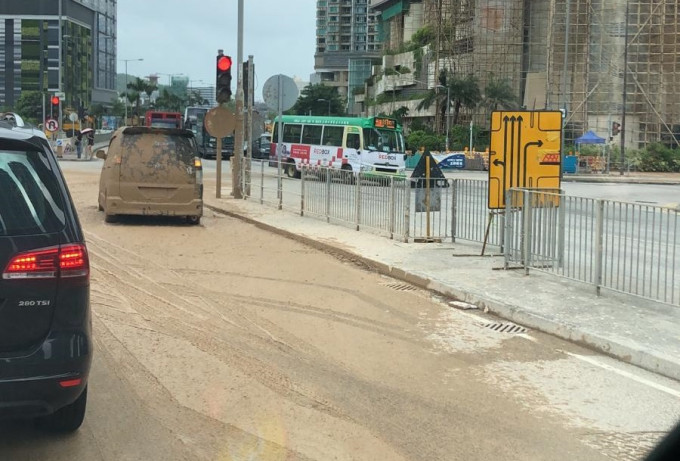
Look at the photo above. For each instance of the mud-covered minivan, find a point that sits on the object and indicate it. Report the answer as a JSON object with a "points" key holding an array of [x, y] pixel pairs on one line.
{"points": [[151, 171]]}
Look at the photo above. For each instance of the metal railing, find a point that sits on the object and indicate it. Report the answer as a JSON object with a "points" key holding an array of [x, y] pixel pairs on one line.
{"points": [[386, 204], [625, 247]]}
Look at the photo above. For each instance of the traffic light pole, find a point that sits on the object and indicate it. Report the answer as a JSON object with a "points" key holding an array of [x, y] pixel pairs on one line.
{"points": [[249, 126], [237, 189]]}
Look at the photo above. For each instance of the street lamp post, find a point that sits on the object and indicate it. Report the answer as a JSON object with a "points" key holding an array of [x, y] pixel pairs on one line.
{"points": [[126, 83], [329, 104], [448, 113]]}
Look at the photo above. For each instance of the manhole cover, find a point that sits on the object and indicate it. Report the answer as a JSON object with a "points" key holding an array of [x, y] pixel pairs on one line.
{"points": [[509, 328]]}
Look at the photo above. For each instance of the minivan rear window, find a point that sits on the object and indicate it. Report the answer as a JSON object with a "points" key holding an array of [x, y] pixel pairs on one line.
{"points": [[156, 145], [30, 196]]}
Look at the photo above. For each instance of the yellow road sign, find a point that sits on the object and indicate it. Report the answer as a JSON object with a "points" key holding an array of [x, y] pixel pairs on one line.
{"points": [[525, 152]]}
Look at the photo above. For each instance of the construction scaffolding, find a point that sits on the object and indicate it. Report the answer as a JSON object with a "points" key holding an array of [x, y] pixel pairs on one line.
{"points": [[588, 61], [482, 38], [568, 54]]}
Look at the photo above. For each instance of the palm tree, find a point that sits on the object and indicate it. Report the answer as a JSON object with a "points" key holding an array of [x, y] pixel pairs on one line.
{"points": [[499, 93], [149, 89], [464, 92], [133, 98], [138, 87], [169, 101]]}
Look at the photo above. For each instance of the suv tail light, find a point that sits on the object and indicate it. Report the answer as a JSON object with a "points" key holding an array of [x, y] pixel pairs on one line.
{"points": [[59, 261]]}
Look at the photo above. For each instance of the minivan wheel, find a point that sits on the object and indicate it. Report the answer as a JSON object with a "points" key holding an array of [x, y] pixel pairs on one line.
{"points": [[110, 218], [194, 220], [68, 418]]}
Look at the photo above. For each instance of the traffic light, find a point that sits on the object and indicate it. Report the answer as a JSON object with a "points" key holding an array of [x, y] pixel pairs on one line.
{"points": [[54, 106], [616, 128], [223, 82]]}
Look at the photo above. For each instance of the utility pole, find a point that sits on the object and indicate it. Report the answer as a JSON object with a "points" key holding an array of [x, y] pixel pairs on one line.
{"points": [[237, 190], [250, 100], [625, 81]]}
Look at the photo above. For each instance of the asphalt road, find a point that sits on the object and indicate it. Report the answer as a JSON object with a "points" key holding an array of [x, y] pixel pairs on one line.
{"points": [[226, 342]]}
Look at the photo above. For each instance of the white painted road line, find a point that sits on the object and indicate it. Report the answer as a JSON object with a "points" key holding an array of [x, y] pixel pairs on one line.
{"points": [[595, 361]]}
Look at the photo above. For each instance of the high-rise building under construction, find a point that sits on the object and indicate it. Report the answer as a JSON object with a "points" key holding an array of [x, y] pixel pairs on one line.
{"points": [[561, 54]]}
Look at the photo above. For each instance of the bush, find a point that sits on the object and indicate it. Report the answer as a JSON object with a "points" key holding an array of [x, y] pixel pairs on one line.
{"points": [[657, 158], [430, 141]]}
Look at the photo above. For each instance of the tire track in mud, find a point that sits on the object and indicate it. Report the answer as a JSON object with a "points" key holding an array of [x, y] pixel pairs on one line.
{"points": [[213, 303], [269, 366], [211, 338], [149, 392]]}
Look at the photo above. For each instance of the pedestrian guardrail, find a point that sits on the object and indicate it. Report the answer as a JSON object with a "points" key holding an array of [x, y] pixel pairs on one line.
{"points": [[625, 247]]}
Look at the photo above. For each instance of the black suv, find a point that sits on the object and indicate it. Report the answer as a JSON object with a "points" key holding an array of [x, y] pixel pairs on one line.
{"points": [[45, 324]]}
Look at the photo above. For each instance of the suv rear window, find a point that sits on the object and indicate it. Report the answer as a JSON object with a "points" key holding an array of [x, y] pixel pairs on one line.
{"points": [[31, 201]]}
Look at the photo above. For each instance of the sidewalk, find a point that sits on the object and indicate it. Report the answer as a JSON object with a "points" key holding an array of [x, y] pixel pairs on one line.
{"points": [[633, 330]]}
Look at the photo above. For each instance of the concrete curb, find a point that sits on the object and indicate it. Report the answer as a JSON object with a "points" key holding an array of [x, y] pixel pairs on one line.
{"points": [[647, 360]]}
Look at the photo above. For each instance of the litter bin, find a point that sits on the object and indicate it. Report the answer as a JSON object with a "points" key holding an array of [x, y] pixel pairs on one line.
{"points": [[570, 164]]}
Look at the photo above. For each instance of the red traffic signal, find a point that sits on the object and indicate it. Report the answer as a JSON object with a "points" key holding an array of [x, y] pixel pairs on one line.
{"points": [[223, 79], [55, 100], [223, 63]]}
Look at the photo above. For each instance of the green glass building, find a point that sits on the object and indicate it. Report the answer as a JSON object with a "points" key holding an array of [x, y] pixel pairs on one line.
{"points": [[58, 46]]}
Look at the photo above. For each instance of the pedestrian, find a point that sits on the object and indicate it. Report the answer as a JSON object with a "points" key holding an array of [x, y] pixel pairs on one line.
{"points": [[90, 144], [79, 144]]}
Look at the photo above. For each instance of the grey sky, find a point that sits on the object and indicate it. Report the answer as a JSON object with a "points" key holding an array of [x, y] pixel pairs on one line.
{"points": [[183, 36]]}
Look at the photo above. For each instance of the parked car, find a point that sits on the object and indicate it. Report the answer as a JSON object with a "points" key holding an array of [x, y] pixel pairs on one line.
{"points": [[151, 171], [45, 324]]}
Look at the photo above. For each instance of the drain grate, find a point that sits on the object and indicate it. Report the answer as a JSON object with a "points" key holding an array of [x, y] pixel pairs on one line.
{"points": [[400, 286], [509, 328]]}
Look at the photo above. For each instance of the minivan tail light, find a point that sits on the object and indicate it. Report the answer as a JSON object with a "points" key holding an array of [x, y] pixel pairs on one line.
{"points": [[52, 262]]}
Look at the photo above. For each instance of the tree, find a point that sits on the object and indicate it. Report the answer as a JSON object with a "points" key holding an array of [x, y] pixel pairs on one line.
{"points": [[194, 98], [399, 114], [117, 107], [430, 141], [29, 106], [315, 99], [138, 87], [464, 92], [499, 93], [169, 101], [134, 99]]}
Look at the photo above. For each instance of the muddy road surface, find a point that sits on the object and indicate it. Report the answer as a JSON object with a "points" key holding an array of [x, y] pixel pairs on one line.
{"points": [[225, 341]]}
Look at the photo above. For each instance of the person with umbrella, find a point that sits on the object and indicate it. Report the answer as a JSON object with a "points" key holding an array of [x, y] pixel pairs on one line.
{"points": [[89, 133]]}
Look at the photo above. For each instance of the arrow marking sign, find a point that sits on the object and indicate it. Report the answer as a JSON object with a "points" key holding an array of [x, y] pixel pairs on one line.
{"points": [[525, 152]]}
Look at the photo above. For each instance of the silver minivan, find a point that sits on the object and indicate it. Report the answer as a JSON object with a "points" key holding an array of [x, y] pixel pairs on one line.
{"points": [[151, 171]]}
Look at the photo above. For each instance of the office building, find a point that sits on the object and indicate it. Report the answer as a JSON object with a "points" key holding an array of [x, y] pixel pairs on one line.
{"points": [[58, 46], [346, 44]]}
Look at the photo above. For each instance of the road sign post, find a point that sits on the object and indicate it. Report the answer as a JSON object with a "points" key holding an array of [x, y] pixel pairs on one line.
{"points": [[219, 122], [280, 93]]}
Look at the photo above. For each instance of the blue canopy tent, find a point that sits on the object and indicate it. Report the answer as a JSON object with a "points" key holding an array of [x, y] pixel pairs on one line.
{"points": [[591, 138]]}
